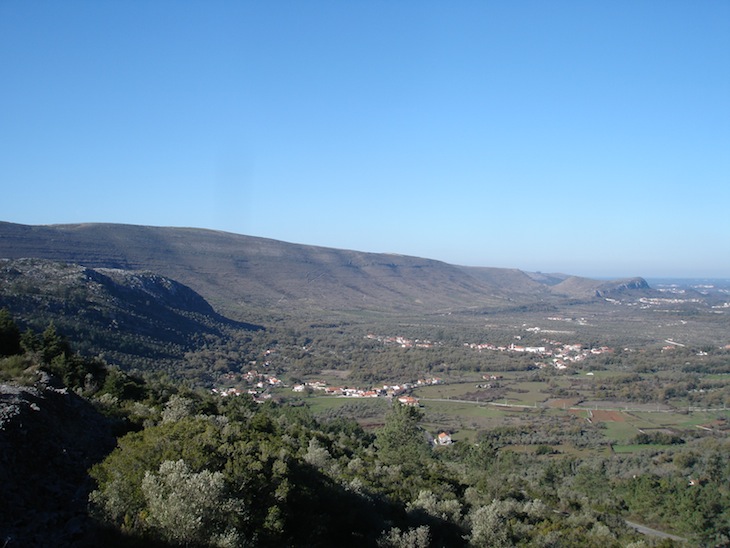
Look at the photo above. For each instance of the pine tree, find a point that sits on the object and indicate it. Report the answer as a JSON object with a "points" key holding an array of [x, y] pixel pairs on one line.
{"points": [[9, 335]]}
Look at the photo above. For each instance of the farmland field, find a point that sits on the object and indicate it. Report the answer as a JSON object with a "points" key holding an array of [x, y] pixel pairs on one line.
{"points": [[607, 416]]}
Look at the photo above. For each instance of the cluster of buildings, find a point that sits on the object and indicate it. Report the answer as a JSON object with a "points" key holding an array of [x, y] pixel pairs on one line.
{"points": [[511, 348], [258, 385], [335, 390], [403, 342], [398, 391], [551, 353], [564, 355], [578, 321], [560, 355], [648, 302]]}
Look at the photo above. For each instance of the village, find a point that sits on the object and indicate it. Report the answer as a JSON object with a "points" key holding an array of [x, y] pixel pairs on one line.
{"points": [[552, 353], [261, 383], [398, 391], [258, 385]]}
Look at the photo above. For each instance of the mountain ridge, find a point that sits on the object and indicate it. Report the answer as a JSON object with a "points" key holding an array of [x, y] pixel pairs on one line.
{"points": [[238, 273]]}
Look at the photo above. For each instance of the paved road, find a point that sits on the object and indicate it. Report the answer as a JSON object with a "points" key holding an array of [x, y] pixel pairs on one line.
{"points": [[644, 530]]}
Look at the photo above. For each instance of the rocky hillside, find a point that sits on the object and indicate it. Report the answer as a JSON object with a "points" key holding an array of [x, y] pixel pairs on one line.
{"points": [[577, 287], [124, 316], [49, 437]]}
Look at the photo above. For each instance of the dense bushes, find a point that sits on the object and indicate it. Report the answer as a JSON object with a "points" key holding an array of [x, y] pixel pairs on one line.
{"points": [[273, 475]]}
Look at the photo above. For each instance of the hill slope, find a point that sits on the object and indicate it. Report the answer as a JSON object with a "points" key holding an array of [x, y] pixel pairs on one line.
{"points": [[238, 274], [583, 287], [129, 317], [235, 272]]}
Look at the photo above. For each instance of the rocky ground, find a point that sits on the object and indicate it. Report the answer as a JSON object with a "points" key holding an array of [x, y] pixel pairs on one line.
{"points": [[49, 437]]}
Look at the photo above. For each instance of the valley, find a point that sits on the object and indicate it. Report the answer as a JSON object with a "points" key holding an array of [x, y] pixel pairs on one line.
{"points": [[425, 397]]}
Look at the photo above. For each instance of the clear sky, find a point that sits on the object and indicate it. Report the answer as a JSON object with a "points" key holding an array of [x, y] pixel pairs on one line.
{"points": [[591, 138]]}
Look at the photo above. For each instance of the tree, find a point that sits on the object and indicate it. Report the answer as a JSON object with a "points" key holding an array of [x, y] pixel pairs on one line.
{"points": [[123, 386], [490, 524], [418, 537], [401, 440], [187, 507], [507, 522], [53, 345], [447, 509], [177, 408], [29, 341], [9, 335], [119, 499], [317, 455]]}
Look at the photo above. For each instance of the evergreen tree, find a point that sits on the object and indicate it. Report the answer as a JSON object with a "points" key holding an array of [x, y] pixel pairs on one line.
{"points": [[9, 335], [401, 440], [53, 344], [29, 341]]}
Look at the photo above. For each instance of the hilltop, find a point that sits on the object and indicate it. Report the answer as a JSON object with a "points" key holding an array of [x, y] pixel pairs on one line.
{"points": [[243, 275]]}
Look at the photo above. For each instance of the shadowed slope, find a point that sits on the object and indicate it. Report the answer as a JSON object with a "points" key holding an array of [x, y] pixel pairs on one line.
{"points": [[127, 316]]}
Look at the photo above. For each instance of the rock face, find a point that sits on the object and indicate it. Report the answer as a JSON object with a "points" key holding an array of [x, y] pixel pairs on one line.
{"points": [[577, 287], [49, 437], [621, 286], [138, 292]]}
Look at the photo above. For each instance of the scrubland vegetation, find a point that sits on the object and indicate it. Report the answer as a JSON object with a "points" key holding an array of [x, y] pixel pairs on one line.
{"points": [[540, 458]]}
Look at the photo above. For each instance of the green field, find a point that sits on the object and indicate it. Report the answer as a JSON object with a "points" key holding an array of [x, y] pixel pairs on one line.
{"points": [[463, 420], [620, 431], [527, 393]]}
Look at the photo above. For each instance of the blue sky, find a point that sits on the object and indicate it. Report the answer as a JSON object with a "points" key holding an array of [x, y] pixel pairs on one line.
{"points": [[591, 138]]}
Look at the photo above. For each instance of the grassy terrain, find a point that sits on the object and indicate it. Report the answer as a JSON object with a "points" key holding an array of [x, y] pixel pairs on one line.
{"points": [[620, 432], [681, 420], [527, 393], [462, 419], [518, 400], [446, 391]]}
